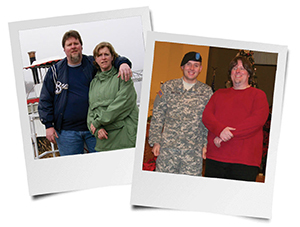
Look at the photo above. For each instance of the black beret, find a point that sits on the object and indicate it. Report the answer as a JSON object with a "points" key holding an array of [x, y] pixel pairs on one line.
{"points": [[191, 56]]}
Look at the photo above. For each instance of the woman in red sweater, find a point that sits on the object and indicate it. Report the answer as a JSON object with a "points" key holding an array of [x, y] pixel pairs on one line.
{"points": [[235, 118]]}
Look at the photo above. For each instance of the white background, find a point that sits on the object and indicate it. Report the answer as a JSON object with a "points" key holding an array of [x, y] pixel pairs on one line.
{"points": [[46, 41], [258, 21]]}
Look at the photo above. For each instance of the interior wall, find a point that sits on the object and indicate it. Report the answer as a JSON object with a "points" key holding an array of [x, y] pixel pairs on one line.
{"points": [[166, 64], [266, 80], [167, 58], [220, 58]]}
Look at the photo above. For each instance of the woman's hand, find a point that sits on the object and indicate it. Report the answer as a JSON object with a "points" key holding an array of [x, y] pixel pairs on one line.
{"points": [[102, 134], [93, 129]]}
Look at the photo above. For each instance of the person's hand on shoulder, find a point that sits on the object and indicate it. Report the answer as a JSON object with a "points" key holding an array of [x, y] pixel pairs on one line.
{"points": [[125, 72]]}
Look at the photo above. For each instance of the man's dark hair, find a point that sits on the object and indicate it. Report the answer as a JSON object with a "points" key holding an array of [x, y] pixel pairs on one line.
{"points": [[246, 64], [71, 33]]}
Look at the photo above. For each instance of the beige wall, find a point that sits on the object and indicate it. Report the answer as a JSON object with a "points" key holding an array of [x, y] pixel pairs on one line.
{"points": [[168, 56]]}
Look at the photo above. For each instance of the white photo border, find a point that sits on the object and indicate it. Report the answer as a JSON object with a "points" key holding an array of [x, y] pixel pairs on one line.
{"points": [[76, 172], [184, 192]]}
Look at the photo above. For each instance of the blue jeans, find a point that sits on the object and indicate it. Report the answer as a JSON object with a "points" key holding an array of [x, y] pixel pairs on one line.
{"points": [[72, 142]]}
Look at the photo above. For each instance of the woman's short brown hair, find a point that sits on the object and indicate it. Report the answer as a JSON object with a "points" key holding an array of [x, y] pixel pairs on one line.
{"points": [[102, 45]]}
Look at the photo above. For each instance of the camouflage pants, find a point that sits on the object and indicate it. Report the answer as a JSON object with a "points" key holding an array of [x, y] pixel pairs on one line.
{"points": [[179, 162]]}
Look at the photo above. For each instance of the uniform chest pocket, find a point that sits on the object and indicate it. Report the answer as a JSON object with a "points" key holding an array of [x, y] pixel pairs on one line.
{"points": [[174, 97], [193, 109]]}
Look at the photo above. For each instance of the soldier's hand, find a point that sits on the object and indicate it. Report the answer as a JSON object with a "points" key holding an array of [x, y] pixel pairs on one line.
{"points": [[156, 149]]}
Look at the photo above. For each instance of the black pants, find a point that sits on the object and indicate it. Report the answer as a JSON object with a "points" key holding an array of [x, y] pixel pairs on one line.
{"points": [[230, 171]]}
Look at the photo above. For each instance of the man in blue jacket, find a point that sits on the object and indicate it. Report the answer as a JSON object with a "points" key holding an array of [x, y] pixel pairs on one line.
{"points": [[64, 101]]}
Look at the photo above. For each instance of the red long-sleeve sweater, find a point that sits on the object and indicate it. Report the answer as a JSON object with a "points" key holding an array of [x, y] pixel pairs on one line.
{"points": [[246, 110]]}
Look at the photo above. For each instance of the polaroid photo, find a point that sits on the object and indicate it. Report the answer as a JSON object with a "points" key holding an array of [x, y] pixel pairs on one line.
{"points": [[36, 46], [172, 189]]}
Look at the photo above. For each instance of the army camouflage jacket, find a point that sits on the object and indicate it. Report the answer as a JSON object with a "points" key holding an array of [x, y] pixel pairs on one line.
{"points": [[177, 116]]}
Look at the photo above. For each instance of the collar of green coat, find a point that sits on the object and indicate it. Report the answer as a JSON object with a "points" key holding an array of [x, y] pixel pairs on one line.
{"points": [[107, 74]]}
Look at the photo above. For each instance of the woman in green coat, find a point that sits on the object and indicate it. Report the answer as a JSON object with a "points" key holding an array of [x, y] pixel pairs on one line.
{"points": [[113, 112]]}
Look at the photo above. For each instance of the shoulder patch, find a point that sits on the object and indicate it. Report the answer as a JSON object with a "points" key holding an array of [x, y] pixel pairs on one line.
{"points": [[160, 93]]}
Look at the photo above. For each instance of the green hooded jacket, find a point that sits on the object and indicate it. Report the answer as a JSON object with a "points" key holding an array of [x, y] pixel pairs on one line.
{"points": [[112, 106]]}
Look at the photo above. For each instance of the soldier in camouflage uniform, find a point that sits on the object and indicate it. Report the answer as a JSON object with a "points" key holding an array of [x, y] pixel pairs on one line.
{"points": [[177, 133]]}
